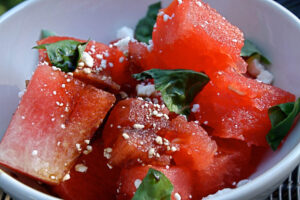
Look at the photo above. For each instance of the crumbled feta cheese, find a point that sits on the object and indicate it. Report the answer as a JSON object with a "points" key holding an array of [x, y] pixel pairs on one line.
{"points": [[109, 166], [125, 136], [195, 108], [177, 196], [125, 32], [54, 92], [81, 168], [121, 59], [255, 67], [63, 126], [145, 90], [137, 183], [87, 70], [66, 177], [21, 93], [138, 126], [123, 44], [87, 59], [34, 152], [167, 17], [151, 153], [78, 147], [106, 153], [199, 3], [266, 77], [99, 56], [159, 140], [87, 141], [81, 64], [179, 2]]}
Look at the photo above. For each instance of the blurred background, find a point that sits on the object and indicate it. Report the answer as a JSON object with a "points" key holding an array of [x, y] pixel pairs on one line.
{"points": [[293, 5]]}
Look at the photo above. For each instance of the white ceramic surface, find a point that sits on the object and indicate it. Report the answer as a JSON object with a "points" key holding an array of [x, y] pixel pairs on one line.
{"points": [[268, 24]]}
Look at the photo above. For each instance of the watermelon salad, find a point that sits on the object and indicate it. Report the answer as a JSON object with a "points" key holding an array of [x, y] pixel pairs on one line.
{"points": [[179, 108]]}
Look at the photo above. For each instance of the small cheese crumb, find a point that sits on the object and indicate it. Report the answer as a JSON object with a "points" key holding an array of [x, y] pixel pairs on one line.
{"points": [[145, 90], [66, 177], [195, 108], [199, 3], [81, 168], [179, 2], [151, 153], [121, 59], [63, 126], [109, 166], [34, 152], [87, 70], [177, 196], [173, 149], [87, 141], [63, 85], [106, 153], [123, 45], [137, 183], [138, 126], [87, 59], [125, 32], [78, 147], [125, 136], [265, 77], [54, 92], [159, 140]]}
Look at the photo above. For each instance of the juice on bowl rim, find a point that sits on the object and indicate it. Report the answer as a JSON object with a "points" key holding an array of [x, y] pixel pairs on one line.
{"points": [[183, 109]]}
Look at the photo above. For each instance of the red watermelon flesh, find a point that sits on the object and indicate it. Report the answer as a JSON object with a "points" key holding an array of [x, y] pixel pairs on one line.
{"points": [[110, 66], [237, 107], [195, 148], [229, 166], [180, 177], [99, 181], [56, 113], [191, 35], [131, 132]]}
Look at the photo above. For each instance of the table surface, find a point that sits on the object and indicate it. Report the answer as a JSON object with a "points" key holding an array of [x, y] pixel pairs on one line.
{"points": [[290, 188]]}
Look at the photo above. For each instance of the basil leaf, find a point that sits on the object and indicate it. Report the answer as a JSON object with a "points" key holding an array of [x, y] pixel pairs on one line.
{"points": [[155, 186], [64, 54], [47, 33], [282, 117], [249, 50], [178, 87], [144, 28]]}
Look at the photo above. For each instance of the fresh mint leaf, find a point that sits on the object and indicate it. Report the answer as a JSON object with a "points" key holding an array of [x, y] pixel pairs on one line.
{"points": [[47, 33], [155, 186], [144, 28], [282, 117], [64, 54], [250, 50], [178, 87]]}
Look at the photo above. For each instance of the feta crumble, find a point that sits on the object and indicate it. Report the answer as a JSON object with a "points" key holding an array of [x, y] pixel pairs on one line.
{"points": [[81, 168], [195, 108], [87, 59], [137, 183], [145, 90], [123, 44], [125, 32]]}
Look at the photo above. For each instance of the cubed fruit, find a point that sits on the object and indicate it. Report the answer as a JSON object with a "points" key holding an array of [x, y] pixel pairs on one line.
{"points": [[191, 35], [47, 132], [130, 132], [229, 166], [180, 177], [190, 143], [110, 66], [99, 181], [237, 107]]}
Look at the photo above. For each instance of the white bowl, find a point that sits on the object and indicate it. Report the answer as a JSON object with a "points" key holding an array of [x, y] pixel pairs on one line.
{"points": [[266, 23]]}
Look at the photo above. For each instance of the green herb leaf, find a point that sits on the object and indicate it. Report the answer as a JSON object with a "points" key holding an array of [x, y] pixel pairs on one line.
{"points": [[250, 50], [47, 33], [144, 28], [178, 87], [155, 186], [64, 54], [282, 117]]}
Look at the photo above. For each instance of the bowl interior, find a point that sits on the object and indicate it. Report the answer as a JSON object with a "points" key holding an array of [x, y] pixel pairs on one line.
{"points": [[273, 29]]}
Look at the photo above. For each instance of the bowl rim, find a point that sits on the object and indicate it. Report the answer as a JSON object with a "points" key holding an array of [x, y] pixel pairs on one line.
{"points": [[291, 160]]}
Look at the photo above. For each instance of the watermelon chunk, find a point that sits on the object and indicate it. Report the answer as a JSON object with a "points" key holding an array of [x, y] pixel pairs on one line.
{"points": [[191, 35], [180, 177], [130, 132], [55, 116], [237, 107], [98, 181], [110, 67], [195, 148], [229, 166]]}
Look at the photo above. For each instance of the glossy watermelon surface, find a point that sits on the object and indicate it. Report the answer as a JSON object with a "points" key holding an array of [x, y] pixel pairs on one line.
{"points": [[47, 132]]}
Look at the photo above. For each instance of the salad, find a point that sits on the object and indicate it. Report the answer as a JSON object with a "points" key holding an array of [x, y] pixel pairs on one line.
{"points": [[179, 108]]}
